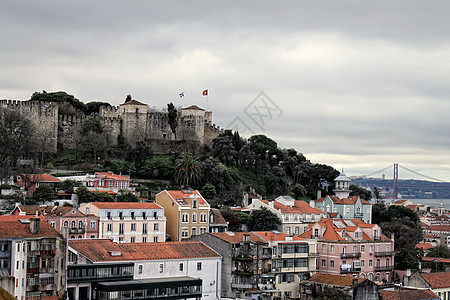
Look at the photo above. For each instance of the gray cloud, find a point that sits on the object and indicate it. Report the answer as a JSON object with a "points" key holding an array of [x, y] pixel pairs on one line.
{"points": [[361, 85]]}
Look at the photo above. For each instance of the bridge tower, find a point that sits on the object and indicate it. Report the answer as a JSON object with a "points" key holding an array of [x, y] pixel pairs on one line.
{"points": [[395, 182]]}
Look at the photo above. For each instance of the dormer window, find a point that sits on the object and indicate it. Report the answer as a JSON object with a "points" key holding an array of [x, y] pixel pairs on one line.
{"points": [[194, 204]]}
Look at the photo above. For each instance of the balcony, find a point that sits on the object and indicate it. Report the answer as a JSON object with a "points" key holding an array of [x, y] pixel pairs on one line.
{"points": [[243, 258], [76, 230], [47, 252], [384, 268], [350, 255], [359, 215], [241, 285], [388, 253], [350, 270]]}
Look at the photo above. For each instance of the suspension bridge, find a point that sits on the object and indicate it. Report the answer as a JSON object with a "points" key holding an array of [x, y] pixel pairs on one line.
{"points": [[397, 171]]}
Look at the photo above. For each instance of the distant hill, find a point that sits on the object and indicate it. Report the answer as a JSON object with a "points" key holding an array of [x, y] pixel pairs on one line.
{"points": [[419, 189]]}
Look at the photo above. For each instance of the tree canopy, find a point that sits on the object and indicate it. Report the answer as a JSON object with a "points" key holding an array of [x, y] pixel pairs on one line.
{"points": [[262, 220]]}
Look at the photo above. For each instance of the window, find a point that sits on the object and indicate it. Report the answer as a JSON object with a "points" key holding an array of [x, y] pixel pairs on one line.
{"points": [[378, 262], [286, 218], [199, 266], [156, 227], [87, 210], [140, 267], [161, 268], [313, 218], [121, 228], [132, 216], [370, 263], [362, 263], [362, 248], [371, 249], [133, 239], [194, 218], [194, 231], [108, 215], [324, 263], [144, 239], [185, 218], [375, 235], [297, 231], [109, 227], [387, 262], [331, 263], [332, 248], [80, 224], [184, 232], [92, 224], [155, 239], [144, 228], [66, 224], [194, 204], [92, 236], [316, 233], [388, 248], [133, 227], [288, 230], [355, 248], [121, 239], [203, 218], [121, 215], [202, 230], [324, 248], [181, 268], [73, 224], [344, 249], [144, 215], [378, 248]]}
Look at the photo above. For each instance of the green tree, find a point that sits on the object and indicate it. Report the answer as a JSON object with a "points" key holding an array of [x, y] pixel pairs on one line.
{"points": [[298, 191], [263, 219], [126, 197], [361, 192], [231, 217], [209, 191], [68, 185], [224, 149], [43, 193], [439, 251], [84, 195], [188, 170], [330, 293], [173, 118], [67, 104], [93, 107], [161, 167]]}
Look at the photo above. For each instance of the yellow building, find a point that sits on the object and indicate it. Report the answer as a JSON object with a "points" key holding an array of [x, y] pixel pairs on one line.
{"points": [[187, 213]]}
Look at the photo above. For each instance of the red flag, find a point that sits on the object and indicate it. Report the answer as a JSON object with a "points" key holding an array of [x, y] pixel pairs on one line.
{"points": [[205, 93]]}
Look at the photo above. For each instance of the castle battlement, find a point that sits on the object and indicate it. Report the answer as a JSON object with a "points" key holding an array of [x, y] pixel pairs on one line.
{"points": [[71, 118]]}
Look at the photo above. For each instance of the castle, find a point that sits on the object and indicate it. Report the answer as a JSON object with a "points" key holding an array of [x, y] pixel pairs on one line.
{"points": [[132, 119]]}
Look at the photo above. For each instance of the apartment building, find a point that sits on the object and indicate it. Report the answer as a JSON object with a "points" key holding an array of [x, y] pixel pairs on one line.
{"points": [[354, 248], [187, 213], [128, 222], [103, 269], [32, 258]]}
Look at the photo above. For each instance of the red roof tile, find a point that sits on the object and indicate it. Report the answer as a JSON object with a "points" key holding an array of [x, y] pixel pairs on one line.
{"points": [[11, 227], [237, 237], [299, 207], [437, 280], [126, 205], [218, 218], [439, 259], [99, 250], [111, 175], [276, 236], [43, 178], [407, 294], [351, 200], [181, 194], [424, 246], [337, 280], [333, 198]]}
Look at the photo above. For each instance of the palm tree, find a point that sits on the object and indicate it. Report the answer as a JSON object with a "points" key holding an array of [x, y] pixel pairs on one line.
{"points": [[188, 170]]}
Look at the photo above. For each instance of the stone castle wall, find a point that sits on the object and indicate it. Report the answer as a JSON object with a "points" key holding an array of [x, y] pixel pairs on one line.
{"points": [[135, 123]]}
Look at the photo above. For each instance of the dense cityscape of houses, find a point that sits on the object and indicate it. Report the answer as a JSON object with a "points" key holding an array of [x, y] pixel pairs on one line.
{"points": [[179, 247]]}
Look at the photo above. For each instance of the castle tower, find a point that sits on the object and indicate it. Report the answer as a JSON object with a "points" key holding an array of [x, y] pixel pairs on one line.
{"points": [[342, 186], [441, 209], [134, 120]]}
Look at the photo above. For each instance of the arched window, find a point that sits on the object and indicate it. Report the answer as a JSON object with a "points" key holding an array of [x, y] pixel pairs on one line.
{"points": [[66, 224], [73, 224], [80, 224]]}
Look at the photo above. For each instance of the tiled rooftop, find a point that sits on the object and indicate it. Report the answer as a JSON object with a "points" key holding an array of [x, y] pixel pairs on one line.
{"points": [[407, 294], [99, 250], [11, 227], [438, 280], [337, 280], [299, 207], [237, 237], [276, 236], [180, 194], [126, 205]]}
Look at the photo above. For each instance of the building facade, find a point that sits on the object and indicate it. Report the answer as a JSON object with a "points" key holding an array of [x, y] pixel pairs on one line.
{"points": [[32, 256], [353, 248], [187, 213], [128, 222], [102, 269]]}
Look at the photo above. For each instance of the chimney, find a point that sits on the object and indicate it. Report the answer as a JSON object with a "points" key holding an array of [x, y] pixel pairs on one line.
{"points": [[35, 225], [319, 194], [312, 203], [270, 203]]}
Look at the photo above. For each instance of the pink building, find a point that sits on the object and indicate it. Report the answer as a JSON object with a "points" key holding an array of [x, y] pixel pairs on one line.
{"points": [[68, 221], [353, 248]]}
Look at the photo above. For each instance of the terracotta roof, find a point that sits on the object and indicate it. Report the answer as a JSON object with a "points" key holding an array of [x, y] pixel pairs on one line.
{"points": [[299, 207], [99, 250], [400, 201], [126, 205], [181, 194], [411, 206], [331, 234], [306, 235], [437, 280], [424, 246], [351, 200], [218, 218], [111, 175], [271, 236], [133, 102], [407, 294], [236, 237], [333, 198], [195, 107], [439, 227], [11, 227], [439, 259], [334, 279], [43, 178]]}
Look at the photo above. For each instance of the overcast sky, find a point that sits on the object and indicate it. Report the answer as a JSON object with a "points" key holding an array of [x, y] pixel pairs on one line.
{"points": [[358, 85]]}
